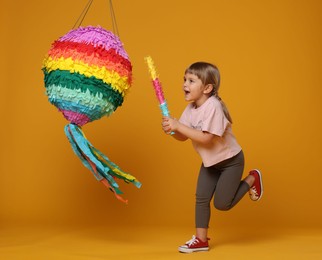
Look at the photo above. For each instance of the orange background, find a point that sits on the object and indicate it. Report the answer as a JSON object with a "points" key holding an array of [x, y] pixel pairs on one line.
{"points": [[270, 57]]}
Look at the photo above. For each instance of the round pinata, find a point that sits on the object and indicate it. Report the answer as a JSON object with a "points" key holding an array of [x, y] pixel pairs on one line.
{"points": [[87, 74]]}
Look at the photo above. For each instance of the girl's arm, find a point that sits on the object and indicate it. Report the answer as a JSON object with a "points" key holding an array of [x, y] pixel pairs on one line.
{"points": [[183, 132]]}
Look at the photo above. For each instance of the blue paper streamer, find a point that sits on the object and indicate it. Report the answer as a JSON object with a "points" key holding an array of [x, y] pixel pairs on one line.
{"points": [[86, 151]]}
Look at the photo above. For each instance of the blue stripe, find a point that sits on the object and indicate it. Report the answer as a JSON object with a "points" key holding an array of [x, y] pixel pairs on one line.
{"points": [[93, 113]]}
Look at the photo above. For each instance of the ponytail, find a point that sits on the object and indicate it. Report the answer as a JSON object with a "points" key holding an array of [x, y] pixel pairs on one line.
{"points": [[224, 108]]}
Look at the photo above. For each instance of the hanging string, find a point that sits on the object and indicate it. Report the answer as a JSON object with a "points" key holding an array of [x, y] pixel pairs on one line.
{"points": [[83, 14], [114, 24]]}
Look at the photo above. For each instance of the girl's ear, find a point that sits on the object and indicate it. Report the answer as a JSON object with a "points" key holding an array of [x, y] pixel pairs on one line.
{"points": [[208, 89]]}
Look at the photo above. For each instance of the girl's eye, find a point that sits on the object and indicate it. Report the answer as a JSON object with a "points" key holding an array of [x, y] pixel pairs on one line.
{"points": [[188, 80]]}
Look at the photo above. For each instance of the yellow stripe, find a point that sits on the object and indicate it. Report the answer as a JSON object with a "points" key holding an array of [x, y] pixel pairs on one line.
{"points": [[151, 67], [117, 82]]}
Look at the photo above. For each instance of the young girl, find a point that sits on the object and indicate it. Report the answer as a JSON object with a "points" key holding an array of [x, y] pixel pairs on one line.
{"points": [[207, 123]]}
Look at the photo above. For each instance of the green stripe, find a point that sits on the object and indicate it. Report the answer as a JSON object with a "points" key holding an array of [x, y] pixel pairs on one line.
{"points": [[79, 97], [76, 81]]}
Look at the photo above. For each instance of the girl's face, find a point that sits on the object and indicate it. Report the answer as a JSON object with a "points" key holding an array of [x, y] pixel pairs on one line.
{"points": [[194, 90]]}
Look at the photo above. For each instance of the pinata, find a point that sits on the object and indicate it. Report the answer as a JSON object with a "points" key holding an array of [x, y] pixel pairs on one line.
{"points": [[87, 74]]}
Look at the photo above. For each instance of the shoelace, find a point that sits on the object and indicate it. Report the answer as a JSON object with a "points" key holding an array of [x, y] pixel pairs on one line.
{"points": [[254, 192], [192, 241]]}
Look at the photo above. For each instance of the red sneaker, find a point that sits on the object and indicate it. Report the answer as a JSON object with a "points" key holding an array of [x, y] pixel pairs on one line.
{"points": [[194, 245], [256, 191]]}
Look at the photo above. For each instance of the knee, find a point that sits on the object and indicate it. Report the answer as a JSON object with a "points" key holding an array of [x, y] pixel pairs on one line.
{"points": [[221, 205]]}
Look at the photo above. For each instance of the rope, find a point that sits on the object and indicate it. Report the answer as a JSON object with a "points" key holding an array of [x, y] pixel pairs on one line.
{"points": [[112, 14], [83, 14], [114, 24]]}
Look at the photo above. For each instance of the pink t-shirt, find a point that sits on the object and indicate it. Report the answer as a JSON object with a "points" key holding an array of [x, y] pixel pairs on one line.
{"points": [[210, 117]]}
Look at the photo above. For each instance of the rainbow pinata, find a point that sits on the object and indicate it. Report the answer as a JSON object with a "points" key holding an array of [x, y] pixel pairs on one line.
{"points": [[87, 74]]}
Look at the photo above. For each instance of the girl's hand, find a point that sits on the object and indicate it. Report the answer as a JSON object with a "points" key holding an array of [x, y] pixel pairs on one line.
{"points": [[169, 124]]}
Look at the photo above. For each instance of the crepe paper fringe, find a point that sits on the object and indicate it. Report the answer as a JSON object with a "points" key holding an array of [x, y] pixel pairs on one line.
{"points": [[102, 168], [84, 98], [78, 82], [155, 80], [164, 109], [93, 106], [87, 67], [97, 36], [158, 90], [91, 55], [120, 84], [87, 74], [79, 118], [151, 67], [78, 110], [157, 87]]}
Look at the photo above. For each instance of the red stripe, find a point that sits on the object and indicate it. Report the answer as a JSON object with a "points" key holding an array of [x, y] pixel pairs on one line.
{"points": [[68, 48]]}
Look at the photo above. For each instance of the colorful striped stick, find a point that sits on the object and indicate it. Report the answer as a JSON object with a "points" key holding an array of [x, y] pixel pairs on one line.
{"points": [[157, 87]]}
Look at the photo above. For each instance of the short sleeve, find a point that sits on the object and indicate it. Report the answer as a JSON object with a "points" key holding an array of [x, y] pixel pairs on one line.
{"points": [[214, 120], [184, 117]]}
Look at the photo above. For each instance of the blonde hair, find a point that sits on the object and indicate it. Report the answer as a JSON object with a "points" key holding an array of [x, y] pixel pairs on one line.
{"points": [[209, 74]]}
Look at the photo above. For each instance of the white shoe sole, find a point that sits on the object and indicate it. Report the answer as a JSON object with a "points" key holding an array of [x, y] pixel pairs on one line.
{"points": [[191, 250]]}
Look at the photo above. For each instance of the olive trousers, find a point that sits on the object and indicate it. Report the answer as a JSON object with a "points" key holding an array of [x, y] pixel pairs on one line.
{"points": [[222, 182]]}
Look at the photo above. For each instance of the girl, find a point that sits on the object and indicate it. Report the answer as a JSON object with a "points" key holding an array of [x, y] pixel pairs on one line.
{"points": [[207, 123]]}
